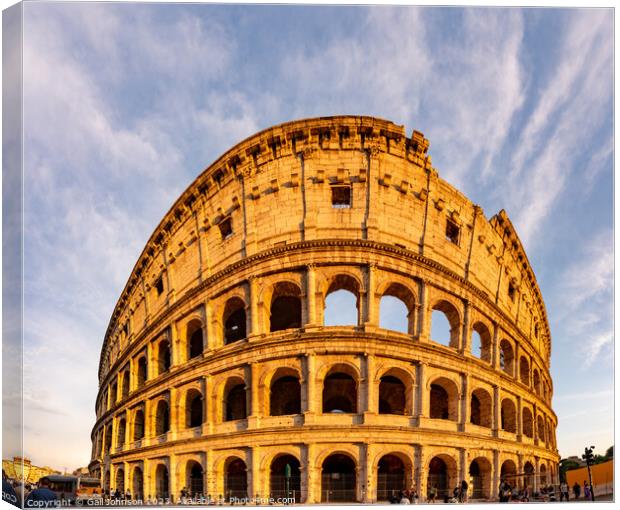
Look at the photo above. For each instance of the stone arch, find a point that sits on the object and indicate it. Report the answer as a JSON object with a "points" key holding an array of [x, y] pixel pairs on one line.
{"points": [[119, 480], [536, 381], [508, 415], [485, 348], [339, 478], [529, 474], [194, 408], [480, 481], [108, 437], [544, 480], [444, 399], [106, 481], [343, 281], [138, 424], [506, 357], [284, 392], [142, 371], [524, 371], [481, 408], [540, 428], [445, 310], [121, 431], [279, 485], [235, 479], [395, 392], [406, 297], [137, 483], [164, 356], [162, 417], [285, 306], [442, 474], [394, 470], [340, 389], [527, 422], [234, 399], [194, 478], [234, 320], [125, 388], [194, 338], [508, 472], [162, 482]]}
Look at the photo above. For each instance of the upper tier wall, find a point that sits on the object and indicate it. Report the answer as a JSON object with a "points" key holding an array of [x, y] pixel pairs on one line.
{"points": [[275, 188]]}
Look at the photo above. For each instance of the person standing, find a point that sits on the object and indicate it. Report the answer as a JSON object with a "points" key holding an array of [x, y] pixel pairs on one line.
{"points": [[586, 490], [576, 490], [432, 493], [504, 491], [563, 491], [41, 497], [464, 489]]}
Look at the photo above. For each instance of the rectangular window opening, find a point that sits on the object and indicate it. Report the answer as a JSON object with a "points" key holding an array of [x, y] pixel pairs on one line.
{"points": [[159, 286], [341, 197], [511, 291], [226, 228], [453, 232]]}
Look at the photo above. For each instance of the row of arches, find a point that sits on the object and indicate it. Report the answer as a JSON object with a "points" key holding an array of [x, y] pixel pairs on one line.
{"points": [[339, 395], [339, 478], [286, 308]]}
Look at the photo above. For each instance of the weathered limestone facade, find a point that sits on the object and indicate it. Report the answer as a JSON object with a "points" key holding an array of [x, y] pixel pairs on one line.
{"points": [[216, 362]]}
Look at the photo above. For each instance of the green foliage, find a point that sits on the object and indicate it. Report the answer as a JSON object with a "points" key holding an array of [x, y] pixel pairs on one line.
{"points": [[610, 452]]}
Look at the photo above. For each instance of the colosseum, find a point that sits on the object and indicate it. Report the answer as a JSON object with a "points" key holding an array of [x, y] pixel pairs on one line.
{"points": [[220, 374]]}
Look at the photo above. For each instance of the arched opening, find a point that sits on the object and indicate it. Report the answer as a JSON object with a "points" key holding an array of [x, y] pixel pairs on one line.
{"points": [[285, 307], [138, 425], [113, 393], [193, 409], [528, 479], [541, 429], [340, 391], [391, 477], [508, 416], [120, 437], [162, 490], [108, 438], [125, 388], [141, 371], [236, 479], [137, 486], [234, 320], [506, 357], [235, 400], [480, 478], [443, 400], [481, 408], [194, 339], [120, 481], [392, 395], [106, 482], [481, 342], [338, 479], [162, 418], [195, 478], [163, 356], [445, 324], [441, 476], [544, 480], [341, 307], [528, 422], [396, 309], [285, 396], [285, 482], [508, 472], [524, 371], [536, 378]]}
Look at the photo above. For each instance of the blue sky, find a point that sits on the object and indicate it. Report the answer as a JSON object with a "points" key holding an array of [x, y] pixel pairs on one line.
{"points": [[124, 104]]}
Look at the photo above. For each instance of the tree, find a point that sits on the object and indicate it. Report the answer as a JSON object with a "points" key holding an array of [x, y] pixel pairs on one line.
{"points": [[567, 465], [609, 454]]}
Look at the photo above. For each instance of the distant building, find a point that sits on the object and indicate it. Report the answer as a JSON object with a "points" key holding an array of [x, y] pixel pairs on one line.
{"points": [[20, 468], [83, 471], [574, 458]]}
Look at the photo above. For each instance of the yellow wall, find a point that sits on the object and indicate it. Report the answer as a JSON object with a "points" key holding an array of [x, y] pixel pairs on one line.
{"points": [[602, 475]]}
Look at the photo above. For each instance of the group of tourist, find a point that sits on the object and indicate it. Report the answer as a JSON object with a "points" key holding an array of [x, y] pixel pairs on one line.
{"points": [[35, 495], [564, 491]]}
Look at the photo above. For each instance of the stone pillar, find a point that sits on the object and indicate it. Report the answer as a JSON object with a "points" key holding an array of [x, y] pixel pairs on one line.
{"points": [[516, 373], [371, 404], [312, 491], [212, 339], [465, 340], [464, 401], [209, 406], [254, 319], [520, 467], [497, 406], [254, 416], [519, 419], [536, 473], [423, 317], [366, 477], [311, 295], [147, 480], [150, 362], [313, 394], [422, 397], [178, 355], [535, 431], [372, 306], [495, 347], [496, 476], [176, 411], [463, 471], [254, 476], [173, 479], [420, 474]]}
